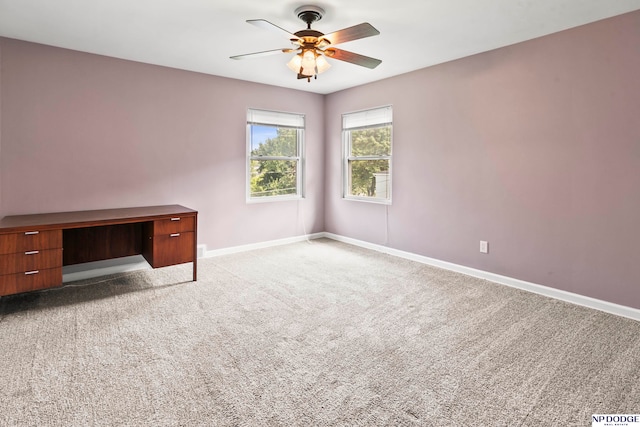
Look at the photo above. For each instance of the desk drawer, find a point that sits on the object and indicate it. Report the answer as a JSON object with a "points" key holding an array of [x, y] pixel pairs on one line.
{"points": [[176, 248], [30, 260], [30, 241], [176, 224], [30, 281]]}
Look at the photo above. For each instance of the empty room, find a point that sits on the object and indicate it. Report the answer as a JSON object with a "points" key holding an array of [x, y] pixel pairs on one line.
{"points": [[330, 213]]}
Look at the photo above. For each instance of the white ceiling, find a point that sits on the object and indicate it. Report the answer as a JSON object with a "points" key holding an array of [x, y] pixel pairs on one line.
{"points": [[201, 35]]}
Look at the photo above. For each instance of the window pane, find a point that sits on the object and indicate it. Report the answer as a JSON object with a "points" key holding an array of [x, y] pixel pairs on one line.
{"points": [[273, 141], [273, 177], [371, 141], [370, 178]]}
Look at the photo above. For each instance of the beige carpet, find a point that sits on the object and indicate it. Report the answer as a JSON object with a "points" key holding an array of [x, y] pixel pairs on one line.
{"points": [[310, 334]]}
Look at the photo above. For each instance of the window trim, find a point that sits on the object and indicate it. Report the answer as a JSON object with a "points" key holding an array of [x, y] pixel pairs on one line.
{"points": [[299, 159], [347, 157]]}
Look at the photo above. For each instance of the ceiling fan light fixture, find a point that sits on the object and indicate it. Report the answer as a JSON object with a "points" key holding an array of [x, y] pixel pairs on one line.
{"points": [[322, 64], [312, 46], [295, 63], [308, 63]]}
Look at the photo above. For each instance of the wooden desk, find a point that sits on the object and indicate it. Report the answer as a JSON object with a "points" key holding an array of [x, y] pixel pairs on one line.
{"points": [[33, 248]]}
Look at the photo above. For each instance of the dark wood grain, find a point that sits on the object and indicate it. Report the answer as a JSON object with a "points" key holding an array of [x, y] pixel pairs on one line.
{"points": [[21, 242], [173, 225], [30, 260], [171, 249], [171, 241], [79, 219], [21, 282], [86, 236], [90, 244]]}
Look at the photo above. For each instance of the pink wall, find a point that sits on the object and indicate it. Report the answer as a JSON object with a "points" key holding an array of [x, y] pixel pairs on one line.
{"points": [[82, 131], [534, 147]]}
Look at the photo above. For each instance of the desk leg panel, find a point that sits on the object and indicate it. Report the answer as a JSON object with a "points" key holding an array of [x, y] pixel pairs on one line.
{"points": [[195, 249]]}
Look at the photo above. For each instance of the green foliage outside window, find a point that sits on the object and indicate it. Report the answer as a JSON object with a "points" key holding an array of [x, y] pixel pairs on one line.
{"points": [[371, 142], [275, 177]]}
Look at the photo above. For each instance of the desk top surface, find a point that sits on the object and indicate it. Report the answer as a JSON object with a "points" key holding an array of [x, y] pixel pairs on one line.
{"points": [[80, 219]]}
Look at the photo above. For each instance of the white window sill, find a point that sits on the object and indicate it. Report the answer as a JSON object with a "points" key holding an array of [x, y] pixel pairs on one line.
{"points": [[268, 199], [367, 200]]}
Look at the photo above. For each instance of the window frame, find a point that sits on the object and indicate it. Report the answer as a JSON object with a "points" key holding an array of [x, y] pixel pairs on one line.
{"points": [[348, 157], [299, 158]]}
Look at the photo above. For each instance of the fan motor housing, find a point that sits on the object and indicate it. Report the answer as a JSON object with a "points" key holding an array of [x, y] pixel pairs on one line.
{"points": [[310, 14], [303, 34]]}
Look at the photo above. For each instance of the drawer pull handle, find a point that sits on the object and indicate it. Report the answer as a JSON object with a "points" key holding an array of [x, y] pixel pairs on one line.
{"points": [[174, 235], [32, 252], [31, 233], [175, 219], [31, 272]]}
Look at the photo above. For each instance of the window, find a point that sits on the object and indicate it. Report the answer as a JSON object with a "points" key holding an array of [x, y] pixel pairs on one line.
{"points": [[274, 155], [366, 138]]}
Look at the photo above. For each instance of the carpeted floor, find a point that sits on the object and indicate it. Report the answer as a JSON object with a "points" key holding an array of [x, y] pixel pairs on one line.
{"points": [[310, 334]]}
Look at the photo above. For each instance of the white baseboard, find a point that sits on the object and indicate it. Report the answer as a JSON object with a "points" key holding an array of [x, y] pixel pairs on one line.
{"points": [[120, 265], [262, 245], [609, 307]]}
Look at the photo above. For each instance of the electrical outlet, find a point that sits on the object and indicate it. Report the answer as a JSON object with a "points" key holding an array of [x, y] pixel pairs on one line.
{"points": [[201, 250], [484, 247]]}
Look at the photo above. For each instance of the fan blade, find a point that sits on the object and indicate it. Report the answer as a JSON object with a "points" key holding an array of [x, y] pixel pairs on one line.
{"points": [[354, 58], [263, 23], [259, 54], [356, 32]]}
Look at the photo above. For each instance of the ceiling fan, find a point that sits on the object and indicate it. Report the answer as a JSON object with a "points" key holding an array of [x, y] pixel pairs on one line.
{"points": [[312, 46]]}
